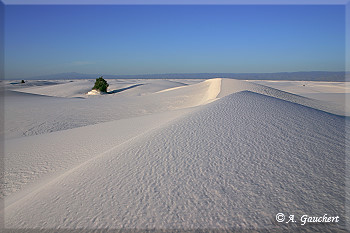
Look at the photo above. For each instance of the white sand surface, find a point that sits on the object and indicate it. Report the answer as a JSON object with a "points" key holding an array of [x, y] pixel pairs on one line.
{"points": [[335, 93], [220, 153]]}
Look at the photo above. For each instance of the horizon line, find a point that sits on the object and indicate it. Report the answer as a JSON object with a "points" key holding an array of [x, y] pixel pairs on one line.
{"points": [[158, 74]]}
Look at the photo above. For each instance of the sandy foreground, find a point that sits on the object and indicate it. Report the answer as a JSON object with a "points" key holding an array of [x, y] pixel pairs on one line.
{"points": [[175, 154]]}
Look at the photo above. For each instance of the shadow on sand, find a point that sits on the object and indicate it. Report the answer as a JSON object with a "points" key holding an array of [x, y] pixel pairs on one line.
{"points": [[123, 89]]}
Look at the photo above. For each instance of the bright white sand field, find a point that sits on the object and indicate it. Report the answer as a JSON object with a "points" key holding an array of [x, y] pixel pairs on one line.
{"points": [[218, 154]]}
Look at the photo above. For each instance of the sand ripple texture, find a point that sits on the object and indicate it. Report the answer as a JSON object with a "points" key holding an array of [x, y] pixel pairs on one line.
{"points": [[230, 164]]}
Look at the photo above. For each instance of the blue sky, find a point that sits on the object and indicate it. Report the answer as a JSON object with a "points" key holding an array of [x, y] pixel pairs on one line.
{"points": [[150, 39]]}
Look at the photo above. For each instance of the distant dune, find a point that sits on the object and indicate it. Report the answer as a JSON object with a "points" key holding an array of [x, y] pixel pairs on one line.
{"points": [[72, 108]]}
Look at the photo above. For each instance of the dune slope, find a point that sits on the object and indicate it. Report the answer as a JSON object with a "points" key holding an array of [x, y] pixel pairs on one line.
{"points": [[229, 86], [50, 108], [234, 163]]}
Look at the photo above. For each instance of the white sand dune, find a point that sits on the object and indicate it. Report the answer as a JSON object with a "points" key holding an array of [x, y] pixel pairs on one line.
{"points": [[301, 87], [230, 85], [29, 159], [79, 88], [230, 164], [218, 88], [335, 93], [25, 117], [149, 86], [222, 154], [64, 89]]}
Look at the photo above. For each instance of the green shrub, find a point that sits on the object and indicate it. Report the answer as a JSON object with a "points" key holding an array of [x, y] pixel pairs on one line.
{"points": [[100, 85]]}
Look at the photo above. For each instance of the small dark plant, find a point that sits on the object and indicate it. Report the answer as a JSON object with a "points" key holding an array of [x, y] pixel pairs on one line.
{"points": [[100, 85], [22, 81]]}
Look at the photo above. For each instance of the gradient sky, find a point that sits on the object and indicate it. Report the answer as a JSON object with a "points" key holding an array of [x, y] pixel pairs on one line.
{"points": [[149, 39]]}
